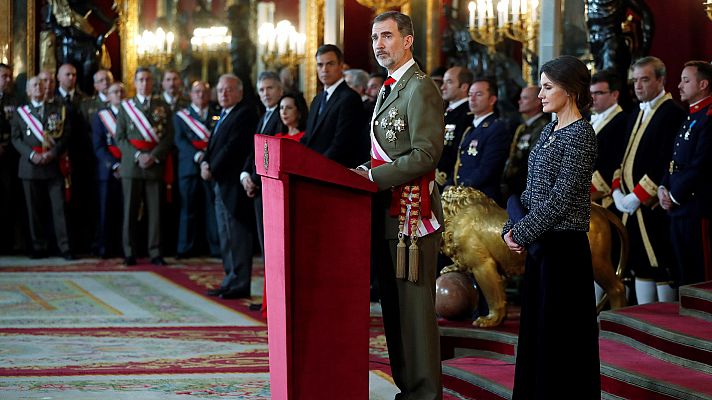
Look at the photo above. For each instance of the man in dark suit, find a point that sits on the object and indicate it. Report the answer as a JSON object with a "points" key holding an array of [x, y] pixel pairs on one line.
{"points": [[685, 191], [230, 145], [335, 122], [456, 84], [485, 144], [192, 133], [40, 132], [649, 136], [269, 87], [609, 121], [108, 160], [144, 132], [11, 207]]}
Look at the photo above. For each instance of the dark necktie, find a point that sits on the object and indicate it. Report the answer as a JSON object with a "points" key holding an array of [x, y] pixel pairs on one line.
{"points": [[68, 98], [266, 118], [222, 117], [322, 102], [387, 87]]}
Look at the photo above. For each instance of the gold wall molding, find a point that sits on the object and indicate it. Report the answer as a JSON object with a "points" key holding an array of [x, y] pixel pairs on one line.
{"points": [[6, 31], [315, 35], [31, 35], [128, 29]]}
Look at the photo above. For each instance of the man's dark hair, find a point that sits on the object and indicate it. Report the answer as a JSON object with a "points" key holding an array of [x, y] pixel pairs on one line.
{"points": [[704, 72], [404, 23], [170, 71], [466, 76], [330, 48], [377, 75], [3, 65], [657, 64], [141, 69], [607, 76], [491, 84], [265, 75]]}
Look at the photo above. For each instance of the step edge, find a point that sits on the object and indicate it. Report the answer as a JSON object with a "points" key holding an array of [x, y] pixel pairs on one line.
{"points": [[479, 381], [695, 313], [486, 354], [503, 337], [649, 383], [695, 292], [654, 330], [657, 353]]}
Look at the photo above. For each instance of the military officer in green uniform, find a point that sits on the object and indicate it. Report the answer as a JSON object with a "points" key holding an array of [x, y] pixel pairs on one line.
{"points": [[103, 78], [144, 134], [407, 136], [40, 131]]}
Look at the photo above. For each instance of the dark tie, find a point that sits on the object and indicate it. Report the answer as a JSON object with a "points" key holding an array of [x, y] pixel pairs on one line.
{"points": [[387, 86], [266, 118], [68, 98], [322, 102], [222, 117]]}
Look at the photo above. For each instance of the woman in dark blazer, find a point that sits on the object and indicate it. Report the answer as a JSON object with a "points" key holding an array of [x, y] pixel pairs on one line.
{"points": [[558, 273]]}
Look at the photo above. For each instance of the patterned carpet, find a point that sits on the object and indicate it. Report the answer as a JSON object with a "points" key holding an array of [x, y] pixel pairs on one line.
{"points": [[98, 330]]}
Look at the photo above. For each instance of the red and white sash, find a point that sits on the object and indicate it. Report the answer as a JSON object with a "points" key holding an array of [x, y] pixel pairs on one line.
{"points": [[35, 125], [140, 121], [109, 121], [425, 227], [196, 126]]}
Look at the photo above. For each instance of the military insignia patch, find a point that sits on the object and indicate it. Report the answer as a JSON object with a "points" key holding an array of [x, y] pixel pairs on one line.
{"points": [[393, 123], [472, 150], [449, 134]]}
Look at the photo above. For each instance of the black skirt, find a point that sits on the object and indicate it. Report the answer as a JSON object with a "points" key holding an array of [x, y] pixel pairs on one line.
{"points": [[557, 352]]}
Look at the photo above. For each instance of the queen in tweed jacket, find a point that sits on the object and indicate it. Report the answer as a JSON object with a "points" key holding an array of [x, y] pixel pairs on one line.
{"points": [[558, 183]]}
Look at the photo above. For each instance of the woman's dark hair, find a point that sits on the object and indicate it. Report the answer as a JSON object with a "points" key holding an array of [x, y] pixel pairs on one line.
{"points": [[572, 75], [301, 108]]}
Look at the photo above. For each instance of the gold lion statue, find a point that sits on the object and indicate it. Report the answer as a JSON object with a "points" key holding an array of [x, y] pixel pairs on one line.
{"points": [[472, 239]]}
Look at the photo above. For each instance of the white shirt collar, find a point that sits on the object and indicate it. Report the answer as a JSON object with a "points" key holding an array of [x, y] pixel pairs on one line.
{"points": [[201, 111], [64, 92], [103, 97], [648, 105], [227, 110], [478, 120], [397, 74], [604, 114], [36, 104], [530, 121], [330, 90], [168, 98], [270, 109], [114, 109], [141, 98], [454, 104]]}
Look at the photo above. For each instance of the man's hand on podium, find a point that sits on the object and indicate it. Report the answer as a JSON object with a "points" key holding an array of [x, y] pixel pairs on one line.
{"points": [[361, 172]]}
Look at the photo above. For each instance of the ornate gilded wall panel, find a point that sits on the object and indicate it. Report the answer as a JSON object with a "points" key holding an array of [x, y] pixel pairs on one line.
{"points": [[128, 29], [5, 31], [315, 35]]}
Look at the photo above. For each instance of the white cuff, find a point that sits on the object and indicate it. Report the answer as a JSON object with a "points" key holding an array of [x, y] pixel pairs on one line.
{"points": [[197, 156], [32, 154], [244, 175], [370, 177], [115, 166], [673, 199], [136, 154]]}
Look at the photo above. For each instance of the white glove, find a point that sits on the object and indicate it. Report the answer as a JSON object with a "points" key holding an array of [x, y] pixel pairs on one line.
{"points": [[618, 200], [631, 203]]}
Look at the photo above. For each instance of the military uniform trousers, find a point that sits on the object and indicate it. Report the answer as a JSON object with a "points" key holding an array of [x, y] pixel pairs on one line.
{"points": [[409, 308], [110, 216], [148, 190], [192, 188], [36, 192], [690, 237]]}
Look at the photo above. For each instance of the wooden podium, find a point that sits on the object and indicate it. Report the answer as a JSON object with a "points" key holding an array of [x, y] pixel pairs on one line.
{"points": [[317, 260]]}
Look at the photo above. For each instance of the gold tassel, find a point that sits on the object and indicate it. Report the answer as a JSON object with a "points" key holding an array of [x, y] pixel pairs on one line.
{"points": [[413, 258], [400, 258]]}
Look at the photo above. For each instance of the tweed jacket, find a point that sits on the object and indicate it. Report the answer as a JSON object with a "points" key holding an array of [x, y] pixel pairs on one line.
{"points": [[24, 141], [417, 146], [557, 195], [158, 115]]}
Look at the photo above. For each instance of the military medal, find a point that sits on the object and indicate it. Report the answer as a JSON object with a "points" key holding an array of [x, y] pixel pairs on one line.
{"points": [[689, 129], [472, 150], [393, 124], [449, 134], [672, 167]]}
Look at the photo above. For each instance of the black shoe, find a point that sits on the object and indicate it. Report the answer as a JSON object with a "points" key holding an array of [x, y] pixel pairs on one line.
{"points": [[215, 292], [255, 306], [235, 294], [129, 261], [158, 261], [67, 255]]}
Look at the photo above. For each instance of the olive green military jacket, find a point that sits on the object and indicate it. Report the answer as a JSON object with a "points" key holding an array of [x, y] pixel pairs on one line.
{"points": [[55, 123], [159, 116], [409, 126]]}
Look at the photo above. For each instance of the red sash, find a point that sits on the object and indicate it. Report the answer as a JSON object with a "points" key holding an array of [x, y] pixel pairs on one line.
{"points": [[115, 151], [65, 168], [143, 145], [199, 144], [423, 182]]}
